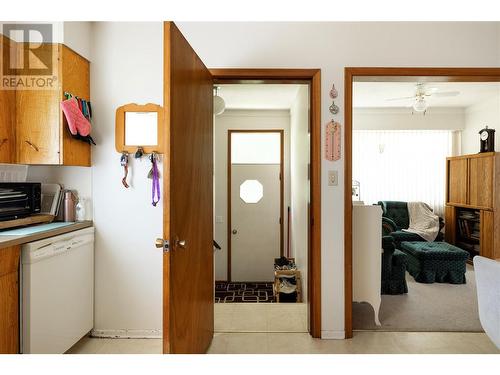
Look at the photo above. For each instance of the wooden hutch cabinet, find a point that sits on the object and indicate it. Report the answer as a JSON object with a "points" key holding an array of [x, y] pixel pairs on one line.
{"points": [[472, 202]]}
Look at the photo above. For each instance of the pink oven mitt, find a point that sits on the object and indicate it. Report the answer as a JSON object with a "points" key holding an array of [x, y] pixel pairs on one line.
{"points": [[77, 122]]}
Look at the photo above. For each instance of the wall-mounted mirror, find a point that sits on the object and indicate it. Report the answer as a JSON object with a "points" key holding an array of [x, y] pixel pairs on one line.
{"points": [[139, 126]]}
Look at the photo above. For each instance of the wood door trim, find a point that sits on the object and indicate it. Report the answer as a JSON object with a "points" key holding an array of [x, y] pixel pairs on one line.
{"points": [[282, 190], [386, 74], [265, 75], [312, 77]]}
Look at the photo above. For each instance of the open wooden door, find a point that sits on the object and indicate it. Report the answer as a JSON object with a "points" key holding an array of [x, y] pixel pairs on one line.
{"points": [[188, 278]]}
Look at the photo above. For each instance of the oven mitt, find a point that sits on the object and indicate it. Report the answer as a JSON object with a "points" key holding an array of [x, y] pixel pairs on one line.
{"points": [[77, 122]]}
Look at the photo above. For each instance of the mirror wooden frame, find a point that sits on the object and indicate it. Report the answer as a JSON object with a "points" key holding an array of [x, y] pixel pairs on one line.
{"points": [[120, 128]]}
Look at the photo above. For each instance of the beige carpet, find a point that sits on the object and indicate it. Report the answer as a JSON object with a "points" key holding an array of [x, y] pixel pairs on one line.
{"points": [[427, 307]]}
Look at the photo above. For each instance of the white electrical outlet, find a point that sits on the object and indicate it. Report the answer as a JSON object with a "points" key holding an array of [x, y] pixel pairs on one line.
{"points": [[333, 178]]}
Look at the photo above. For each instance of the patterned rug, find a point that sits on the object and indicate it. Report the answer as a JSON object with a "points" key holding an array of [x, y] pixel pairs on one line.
{"points": [[244, 292]]}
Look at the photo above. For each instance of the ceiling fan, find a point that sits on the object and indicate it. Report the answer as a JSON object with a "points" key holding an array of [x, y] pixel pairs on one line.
{"points": [[421, 93]]}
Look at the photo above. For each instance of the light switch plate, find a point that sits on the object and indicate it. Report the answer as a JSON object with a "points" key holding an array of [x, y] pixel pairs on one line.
{"points": [[333, 178]]}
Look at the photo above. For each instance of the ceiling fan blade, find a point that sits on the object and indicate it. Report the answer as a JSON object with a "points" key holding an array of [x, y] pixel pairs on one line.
{"points": [[445, 93], [401, 98]]}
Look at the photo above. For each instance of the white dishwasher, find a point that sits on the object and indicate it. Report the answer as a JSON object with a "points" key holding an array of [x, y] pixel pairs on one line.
{"points": [[57, 304]]}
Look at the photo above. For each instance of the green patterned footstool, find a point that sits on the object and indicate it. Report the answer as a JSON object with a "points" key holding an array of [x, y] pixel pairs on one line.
{"points": [[440, 262]]}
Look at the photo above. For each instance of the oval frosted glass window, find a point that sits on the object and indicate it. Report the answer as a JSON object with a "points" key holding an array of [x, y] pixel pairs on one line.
{"points": [[251, 191]]}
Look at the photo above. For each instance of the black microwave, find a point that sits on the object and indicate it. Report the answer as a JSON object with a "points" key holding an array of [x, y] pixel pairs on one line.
{"points": [[19, 199]]}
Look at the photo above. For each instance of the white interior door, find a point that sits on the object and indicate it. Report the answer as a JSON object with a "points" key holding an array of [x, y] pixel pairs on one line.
{"points": [[255, 221]]}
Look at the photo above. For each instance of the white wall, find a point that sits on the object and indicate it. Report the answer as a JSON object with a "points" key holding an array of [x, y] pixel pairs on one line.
{"points": [[402, 119], [331, 46], [77, 37], [477, 117], [299, 181], [241, 119], [78, 179], [127, 67]]}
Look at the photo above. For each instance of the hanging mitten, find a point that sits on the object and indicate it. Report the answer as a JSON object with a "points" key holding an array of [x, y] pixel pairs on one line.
{"points": [[77, 122]]}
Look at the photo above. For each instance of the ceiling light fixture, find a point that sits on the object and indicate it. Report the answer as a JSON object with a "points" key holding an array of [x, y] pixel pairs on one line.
{"points": [[420, 105], [219, 103]]}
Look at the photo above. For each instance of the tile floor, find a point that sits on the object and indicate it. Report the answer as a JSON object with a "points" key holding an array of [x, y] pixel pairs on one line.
{"points": [[259, 329], [297, 343], [260, 317]]}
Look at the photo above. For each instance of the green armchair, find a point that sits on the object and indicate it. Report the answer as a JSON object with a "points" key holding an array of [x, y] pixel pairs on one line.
{"points": [[395, 218], [394, 263]]}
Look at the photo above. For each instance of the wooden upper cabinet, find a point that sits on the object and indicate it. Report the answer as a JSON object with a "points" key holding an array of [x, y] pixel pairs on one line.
{"points": [[481, 171], [7, 126], [37, 127], [42, 134], [472, 179], [75, 71], [7, 118], [457, 180]]}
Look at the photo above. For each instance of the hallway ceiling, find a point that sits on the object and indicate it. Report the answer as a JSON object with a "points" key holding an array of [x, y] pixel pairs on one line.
{"points": [[258, 96], [375, 94]]}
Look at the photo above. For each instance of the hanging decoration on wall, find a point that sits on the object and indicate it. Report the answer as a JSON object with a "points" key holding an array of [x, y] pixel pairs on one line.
{"points": [[124, 164], [154, 174], [139, 153], [333, 146], [333, 131]]}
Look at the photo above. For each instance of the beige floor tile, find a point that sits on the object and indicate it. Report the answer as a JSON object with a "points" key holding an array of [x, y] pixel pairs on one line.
{"points": [[223, 321], [131, 346], [260, 317], [219, 344], [293, 343], [249, 321], [279, 321], [296, 343], [243, 343], [86, 345]]}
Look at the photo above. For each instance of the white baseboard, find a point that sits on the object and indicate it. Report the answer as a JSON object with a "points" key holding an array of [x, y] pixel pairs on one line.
{"points": [[128, 333], [333, 335]]}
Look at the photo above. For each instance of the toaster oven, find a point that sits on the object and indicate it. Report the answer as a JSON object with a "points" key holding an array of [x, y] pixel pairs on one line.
{"points": [[19, 199]]}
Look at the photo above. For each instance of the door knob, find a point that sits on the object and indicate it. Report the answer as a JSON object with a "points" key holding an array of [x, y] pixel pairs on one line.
{"points": [[160, 243], [181, 243], [235, 231]]}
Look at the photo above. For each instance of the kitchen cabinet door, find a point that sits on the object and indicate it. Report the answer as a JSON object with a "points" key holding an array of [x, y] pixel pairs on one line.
{"points": [[9, 300], [7, 117], [38, 127]]}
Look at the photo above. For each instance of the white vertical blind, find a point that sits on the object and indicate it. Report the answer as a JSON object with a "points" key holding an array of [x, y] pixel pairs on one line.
{"points": [[402, 165]]}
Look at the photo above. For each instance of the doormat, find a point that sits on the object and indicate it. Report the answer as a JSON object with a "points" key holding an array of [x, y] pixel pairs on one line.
{"points": [[238, 292]]}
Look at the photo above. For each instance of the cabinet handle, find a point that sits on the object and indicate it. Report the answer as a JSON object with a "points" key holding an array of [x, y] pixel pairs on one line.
{"points": [[32, 146], [3, 141]]}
